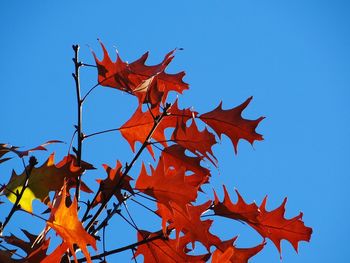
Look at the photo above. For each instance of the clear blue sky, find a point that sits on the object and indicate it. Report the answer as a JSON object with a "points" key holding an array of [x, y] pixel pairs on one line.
{"points": [[292, 56]]}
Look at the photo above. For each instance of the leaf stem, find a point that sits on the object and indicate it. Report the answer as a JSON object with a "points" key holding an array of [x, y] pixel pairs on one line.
{"points": [[87, 94], [101, 132]]}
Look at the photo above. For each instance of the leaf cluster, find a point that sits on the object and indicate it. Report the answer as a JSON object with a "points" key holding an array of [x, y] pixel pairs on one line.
{"points": [[183, 162]]}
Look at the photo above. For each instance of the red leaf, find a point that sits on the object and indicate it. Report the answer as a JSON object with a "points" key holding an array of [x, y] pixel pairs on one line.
{"points": [[228, 252], [189, 222], [198, 142], [273, 225], [165, 250], [166, 185], [148, 83], [35, 249], [115, 179], [269, 224], [239, 211], [231, 123], [6, 148], [138, 127], [175, 156]]}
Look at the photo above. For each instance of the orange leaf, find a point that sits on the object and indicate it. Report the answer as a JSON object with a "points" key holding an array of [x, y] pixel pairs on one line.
{"points": [[231, 123], [64, 220]]}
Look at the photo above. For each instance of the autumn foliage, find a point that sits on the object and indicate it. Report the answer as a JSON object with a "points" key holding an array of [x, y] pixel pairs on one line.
{"points": [[183, 158]]}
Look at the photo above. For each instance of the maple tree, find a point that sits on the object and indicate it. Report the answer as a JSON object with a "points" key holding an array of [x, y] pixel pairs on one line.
{"points": [[181, 155]]}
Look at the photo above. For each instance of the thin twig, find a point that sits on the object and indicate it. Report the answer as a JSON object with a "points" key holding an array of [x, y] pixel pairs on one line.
{"points": [[132, 220], [146, 197], [110, 215], [71, 141], [128, 221], [144, 206], [87, 94], [100, 132], [32, 214]]}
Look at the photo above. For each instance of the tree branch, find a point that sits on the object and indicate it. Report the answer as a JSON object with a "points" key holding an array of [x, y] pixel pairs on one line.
{"points": [[77, 65], [131, 246]]}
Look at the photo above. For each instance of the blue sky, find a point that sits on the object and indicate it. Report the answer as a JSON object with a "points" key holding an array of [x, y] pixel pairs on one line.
{"points": [[292, 56]]}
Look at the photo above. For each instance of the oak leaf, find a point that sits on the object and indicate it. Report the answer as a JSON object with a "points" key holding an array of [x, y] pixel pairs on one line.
{"points": [[165, 250], [114, 183], [166, 185], [6, 148], [189, 222], [198, 142], [35, 249], [175, 156], [239, 211], [46, 178], [138, 127], [273, 225], [269, 224], [228, 251], [149, 83], [231, 123], [64, 220]]}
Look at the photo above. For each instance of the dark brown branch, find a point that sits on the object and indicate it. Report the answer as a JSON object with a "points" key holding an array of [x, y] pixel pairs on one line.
{"points": [[160, 235], [77, 65], [11, 251]]}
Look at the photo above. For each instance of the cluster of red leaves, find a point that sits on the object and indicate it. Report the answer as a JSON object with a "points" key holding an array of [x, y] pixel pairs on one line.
{"points": [[174, 183]]}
